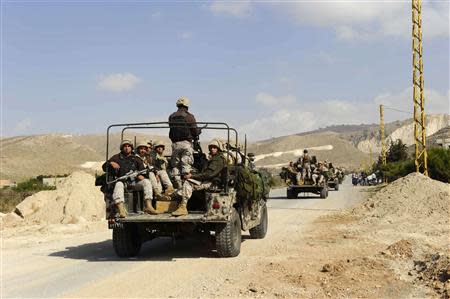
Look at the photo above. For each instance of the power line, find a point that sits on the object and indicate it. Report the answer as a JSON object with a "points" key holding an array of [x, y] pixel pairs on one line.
{"points": [[398, 110]]}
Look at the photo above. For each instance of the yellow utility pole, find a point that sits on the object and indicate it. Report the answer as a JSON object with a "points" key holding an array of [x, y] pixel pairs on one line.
{"points": [[383, 144], [418, 89]]}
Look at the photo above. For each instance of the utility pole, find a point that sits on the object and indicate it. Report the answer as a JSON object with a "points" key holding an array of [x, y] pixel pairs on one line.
{"points": [[383, 144], [418, 90]]}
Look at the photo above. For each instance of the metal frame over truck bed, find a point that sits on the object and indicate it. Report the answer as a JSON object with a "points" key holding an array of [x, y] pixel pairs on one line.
{"points": [[223, 215]]}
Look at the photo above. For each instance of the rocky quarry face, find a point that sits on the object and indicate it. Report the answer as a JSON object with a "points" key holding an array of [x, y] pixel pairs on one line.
{"points": [[434, 123]]}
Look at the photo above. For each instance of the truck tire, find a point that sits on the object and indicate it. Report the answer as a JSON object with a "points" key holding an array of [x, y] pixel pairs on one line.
{"points": [[228, 237], [324, 192], [291, 194], [126, 241], [259, 231]]}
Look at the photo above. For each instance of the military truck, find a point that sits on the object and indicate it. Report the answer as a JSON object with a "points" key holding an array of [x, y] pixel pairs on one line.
{"points": [[293, 191], [333, 182], [294, 188], [220, 214]]}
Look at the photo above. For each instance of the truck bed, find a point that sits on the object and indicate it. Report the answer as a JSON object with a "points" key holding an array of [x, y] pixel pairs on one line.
{"points": [[192, 217]]}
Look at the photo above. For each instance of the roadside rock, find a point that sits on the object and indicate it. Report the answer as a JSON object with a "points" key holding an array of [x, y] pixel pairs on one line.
{"points": [[76, 200]]}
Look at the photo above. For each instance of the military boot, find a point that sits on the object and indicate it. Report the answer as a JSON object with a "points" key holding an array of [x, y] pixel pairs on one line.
{"points": [[149, 209], [121, 209], [181, 210]]}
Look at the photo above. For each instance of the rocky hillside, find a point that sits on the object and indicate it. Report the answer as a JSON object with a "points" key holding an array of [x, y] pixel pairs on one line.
{"points": [[325, 145], [29, 156], [344, 145]]}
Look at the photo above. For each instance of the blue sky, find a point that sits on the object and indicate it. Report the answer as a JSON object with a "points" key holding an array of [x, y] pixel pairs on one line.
{"points": [[269, 69]]}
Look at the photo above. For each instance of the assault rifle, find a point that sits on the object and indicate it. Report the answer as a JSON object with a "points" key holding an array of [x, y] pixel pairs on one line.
{"points": [[132, 175]]}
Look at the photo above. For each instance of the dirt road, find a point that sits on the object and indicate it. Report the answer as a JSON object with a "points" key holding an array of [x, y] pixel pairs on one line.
{"points": [[84, 265]]}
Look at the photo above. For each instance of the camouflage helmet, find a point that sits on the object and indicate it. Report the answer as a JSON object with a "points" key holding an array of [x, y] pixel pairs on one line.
{"points": [[158, 143], [141, 144], [150, 143], [126, 141], [216, 143], [183, 101]]}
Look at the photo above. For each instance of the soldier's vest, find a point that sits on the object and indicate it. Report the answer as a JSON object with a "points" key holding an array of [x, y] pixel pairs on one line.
{"points": [[126, 164], [179, 127]]}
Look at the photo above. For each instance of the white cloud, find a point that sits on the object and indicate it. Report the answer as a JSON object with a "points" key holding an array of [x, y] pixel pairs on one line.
{"points": [[118, 82], [23, 125], [355, 20], [270, 100], [185, 35], [368, 20], [286, 115], [234, 8]]}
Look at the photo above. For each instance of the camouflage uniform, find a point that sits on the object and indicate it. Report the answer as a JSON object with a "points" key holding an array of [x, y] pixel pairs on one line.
{"points": [[212, 175], [160, 163], [154, 182], [183, 131], [305, 162], [127, 163], [318, 174]]}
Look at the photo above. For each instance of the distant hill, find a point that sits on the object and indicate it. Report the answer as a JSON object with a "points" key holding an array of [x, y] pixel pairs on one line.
{"points": [[345, 145]]}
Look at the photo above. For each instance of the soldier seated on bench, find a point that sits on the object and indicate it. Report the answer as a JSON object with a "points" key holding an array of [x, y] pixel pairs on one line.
{"points": [[211, 176], [119, 165]]}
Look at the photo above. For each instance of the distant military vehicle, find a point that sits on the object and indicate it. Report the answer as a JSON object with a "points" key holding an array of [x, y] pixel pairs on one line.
{"points": [[333, 182], [219, 213], [307, 186]]}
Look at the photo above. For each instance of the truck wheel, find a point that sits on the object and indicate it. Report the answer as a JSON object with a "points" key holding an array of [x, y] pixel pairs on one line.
{"points": [[290, 194], [126, 241], [228, 237], [259, 231], [323, 192]]}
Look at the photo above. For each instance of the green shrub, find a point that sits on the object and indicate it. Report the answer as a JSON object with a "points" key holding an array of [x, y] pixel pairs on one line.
{"points": [[32, 185], [439, 164]]}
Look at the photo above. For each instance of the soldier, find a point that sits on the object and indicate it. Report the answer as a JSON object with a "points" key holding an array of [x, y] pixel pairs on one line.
{"points": [[251, 161], [292, 173], [149, 160], [120, 164], [318, 175], [149, 147], [183, 131], [305, 162], [212, 175], [160, 163]]}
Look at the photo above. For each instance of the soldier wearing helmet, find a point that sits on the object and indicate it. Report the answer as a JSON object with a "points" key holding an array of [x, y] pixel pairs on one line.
{"points": [[160, 163], [212, 175], [183, 131], [318, 174], [119, 165], [142, 150], [304, 162]]}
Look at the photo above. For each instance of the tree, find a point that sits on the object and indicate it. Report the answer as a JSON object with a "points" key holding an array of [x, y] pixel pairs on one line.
{"points": [[396, 152]]}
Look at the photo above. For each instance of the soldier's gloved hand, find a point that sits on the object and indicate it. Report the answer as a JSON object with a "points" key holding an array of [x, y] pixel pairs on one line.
{"points": [[114, 165]]}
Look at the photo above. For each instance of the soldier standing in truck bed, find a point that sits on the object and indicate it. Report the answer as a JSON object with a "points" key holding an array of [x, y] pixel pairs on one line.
{"points": [[183, 131]]}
